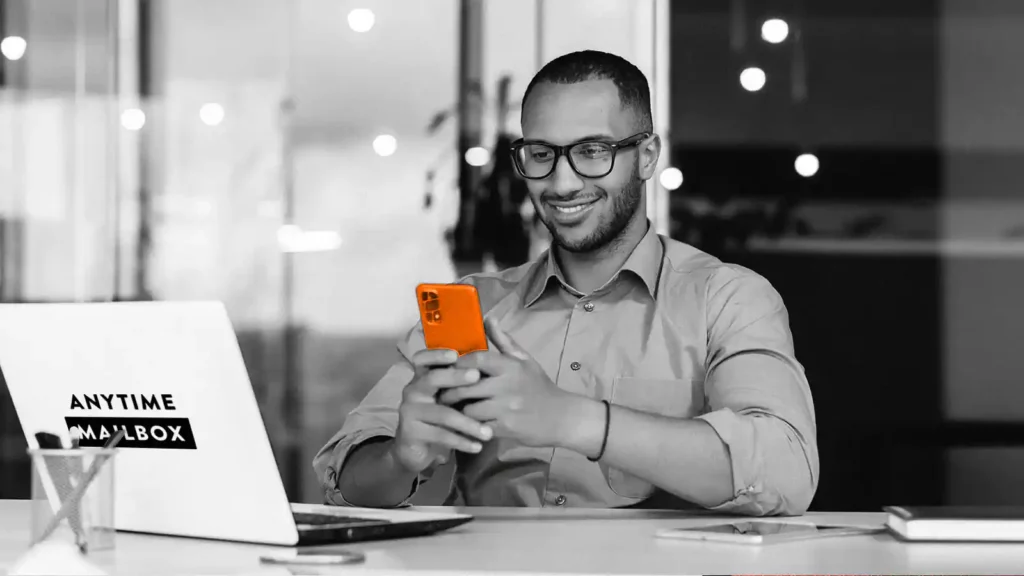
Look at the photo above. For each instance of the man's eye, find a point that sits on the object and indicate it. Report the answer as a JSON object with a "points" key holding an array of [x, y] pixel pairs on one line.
{"points": [[593, 151]]}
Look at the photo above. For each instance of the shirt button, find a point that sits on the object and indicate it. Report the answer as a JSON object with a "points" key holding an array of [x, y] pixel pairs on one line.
{"points": [[560, 500], [589, 306], [575, 365]]}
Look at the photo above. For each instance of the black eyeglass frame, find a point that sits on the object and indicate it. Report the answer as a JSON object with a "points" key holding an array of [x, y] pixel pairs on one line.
{"points": [[560, 151]]}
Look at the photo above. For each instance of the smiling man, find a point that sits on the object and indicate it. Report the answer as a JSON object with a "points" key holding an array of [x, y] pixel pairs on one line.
{"points": [[621, 364]]}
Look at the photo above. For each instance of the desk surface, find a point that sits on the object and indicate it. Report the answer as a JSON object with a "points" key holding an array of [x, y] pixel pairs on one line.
{"points": [[555, 541]]}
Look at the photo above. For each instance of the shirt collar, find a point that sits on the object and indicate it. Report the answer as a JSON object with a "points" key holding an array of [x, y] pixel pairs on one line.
{"points": [[644, 262]]}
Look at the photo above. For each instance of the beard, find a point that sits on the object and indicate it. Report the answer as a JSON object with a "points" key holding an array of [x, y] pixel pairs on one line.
{"points": [[609, 229]]}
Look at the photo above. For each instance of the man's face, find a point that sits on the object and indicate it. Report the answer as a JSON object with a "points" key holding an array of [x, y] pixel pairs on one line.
{"points": [[585, 214]]}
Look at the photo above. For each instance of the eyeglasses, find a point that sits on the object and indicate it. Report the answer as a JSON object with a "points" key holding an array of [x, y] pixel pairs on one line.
{"points": [[536, 160]]}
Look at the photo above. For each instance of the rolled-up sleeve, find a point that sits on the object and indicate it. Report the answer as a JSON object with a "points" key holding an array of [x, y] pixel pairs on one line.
{"points": [[375, 416], [759, 398]]}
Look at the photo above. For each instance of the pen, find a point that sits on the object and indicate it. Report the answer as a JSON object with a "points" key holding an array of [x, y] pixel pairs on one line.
{"points": [[76, 494], [76, 477], [76, 463]]}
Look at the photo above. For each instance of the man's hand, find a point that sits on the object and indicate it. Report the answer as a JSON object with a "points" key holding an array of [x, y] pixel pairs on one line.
{"points": [[428, 431], [517, 399]]}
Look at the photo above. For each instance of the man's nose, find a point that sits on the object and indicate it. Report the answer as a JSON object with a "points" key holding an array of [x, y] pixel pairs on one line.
{"points": [[565, 180]]}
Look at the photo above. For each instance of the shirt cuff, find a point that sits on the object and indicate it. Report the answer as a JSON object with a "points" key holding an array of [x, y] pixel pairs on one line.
{"points": [[746, 485], [333, 495]]}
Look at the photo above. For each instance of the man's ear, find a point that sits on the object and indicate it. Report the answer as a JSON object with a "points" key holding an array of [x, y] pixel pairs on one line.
{"points": [[650, 152]]}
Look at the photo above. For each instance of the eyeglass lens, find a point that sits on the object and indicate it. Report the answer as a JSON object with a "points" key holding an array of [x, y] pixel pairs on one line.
{"points": [[591, 159]]}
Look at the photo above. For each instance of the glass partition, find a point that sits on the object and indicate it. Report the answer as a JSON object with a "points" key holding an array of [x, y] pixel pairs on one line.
{"points": [[306, 162], [864, 156]]}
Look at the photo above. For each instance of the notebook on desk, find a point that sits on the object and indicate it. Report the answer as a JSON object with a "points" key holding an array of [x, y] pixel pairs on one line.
{"points": [[956, 523], [196, 460]]}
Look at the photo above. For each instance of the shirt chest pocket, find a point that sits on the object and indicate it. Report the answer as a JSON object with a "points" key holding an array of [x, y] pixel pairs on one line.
{"points": [[674, 398]]}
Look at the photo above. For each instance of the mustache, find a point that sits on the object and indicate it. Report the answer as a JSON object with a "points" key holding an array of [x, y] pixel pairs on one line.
{"points": [[556, 198]]}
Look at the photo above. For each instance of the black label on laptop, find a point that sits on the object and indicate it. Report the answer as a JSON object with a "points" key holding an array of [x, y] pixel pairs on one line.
{"points": [[164, 433]]}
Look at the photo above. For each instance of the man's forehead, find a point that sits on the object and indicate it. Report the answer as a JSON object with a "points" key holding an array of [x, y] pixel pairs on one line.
{"points": [[567, 112]]}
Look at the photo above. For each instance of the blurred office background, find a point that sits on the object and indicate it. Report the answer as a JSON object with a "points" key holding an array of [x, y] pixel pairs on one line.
{"points": [[309, 161]]}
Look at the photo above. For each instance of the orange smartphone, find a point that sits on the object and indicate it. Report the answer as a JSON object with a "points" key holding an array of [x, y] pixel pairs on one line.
{"points": [[452, 317]]}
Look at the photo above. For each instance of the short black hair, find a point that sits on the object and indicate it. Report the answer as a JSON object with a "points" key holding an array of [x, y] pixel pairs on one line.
{"points": [[634, 92]]}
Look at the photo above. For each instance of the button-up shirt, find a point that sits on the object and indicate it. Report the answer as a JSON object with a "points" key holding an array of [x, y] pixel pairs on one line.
{"points": [[651, 339]]}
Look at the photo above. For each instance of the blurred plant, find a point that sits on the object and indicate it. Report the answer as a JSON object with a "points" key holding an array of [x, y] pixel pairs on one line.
{"points": [[491, 216]]}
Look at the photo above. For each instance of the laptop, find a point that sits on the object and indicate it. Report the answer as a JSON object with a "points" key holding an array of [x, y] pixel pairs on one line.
{"points": [[196, 460]]}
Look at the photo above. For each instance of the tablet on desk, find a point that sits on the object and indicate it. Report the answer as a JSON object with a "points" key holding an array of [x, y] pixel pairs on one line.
{"points": [[764, 531]]}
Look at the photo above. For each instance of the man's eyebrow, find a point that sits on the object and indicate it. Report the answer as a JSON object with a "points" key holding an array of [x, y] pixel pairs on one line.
{"points": [[586, 138], [596, 137]]}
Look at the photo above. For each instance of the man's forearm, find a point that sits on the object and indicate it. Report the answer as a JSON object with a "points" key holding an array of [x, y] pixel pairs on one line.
{"points": [[373, 478], [682, 456]]}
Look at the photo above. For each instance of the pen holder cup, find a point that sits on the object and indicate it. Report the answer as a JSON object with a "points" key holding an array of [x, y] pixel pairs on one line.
{"points": [[68, 502]]}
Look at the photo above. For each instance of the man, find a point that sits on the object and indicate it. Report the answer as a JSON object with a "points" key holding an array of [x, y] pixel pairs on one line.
{"points": [[621, 363]]}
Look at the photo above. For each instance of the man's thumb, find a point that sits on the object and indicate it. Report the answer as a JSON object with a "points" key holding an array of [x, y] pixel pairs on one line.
{"points": [[504, 342]]}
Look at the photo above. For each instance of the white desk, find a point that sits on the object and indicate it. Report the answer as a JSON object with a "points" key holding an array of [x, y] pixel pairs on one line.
{"points": [[554, 541]]}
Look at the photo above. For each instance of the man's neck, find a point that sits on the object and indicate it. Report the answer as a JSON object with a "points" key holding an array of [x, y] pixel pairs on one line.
{"points": [[588, 271]]}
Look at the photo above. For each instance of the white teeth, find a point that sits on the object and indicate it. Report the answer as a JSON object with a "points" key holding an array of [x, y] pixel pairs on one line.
{"points": [[571, 210]]}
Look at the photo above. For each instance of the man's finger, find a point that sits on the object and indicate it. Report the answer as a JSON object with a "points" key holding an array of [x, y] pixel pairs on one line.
{"points": [[450, 440], [486, 389], [504, 342], [425, 387], [489, 362], [430, 358], [440, 378], [455, 421], [484, 410]]}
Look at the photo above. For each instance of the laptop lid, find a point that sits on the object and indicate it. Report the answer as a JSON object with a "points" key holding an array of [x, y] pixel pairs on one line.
{"points": [[196, 460]]}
